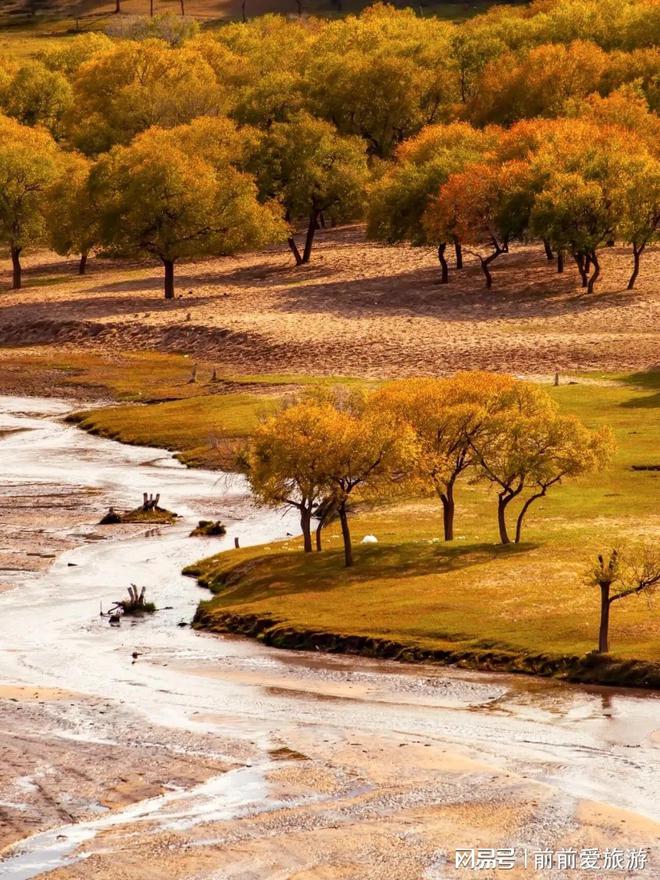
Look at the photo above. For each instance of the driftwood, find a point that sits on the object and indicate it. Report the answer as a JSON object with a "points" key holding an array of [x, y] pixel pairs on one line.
{"points": [[150, 502], [135, 604], [111, 518]]}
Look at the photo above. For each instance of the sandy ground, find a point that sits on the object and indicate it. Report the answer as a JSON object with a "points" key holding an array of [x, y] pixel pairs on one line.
{"points": [[342, 804], [358, 308]]}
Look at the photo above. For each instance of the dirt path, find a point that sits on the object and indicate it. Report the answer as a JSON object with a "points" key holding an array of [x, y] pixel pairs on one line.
{"points": [[358, 308]]}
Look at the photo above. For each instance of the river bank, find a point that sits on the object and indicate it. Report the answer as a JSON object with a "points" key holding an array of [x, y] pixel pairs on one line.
{"points": [[587, 669], [213, 758]]}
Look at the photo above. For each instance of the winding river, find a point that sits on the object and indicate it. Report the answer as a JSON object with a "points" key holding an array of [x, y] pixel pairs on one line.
{"points": [[377, 769]]}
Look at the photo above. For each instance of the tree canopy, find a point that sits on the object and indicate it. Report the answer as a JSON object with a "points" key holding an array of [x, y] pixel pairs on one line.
{"points": [[156, 198]]}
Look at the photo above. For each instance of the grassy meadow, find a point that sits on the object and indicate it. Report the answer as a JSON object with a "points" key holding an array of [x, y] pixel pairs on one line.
{"points": [[472, 595]]}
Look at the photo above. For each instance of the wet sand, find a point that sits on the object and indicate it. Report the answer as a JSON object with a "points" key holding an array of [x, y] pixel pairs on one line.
{"points": [[213, 758]]}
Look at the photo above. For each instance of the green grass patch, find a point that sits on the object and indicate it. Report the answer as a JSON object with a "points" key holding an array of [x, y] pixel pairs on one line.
{"points": [[204, 431], [205, 421], [472, 596]]}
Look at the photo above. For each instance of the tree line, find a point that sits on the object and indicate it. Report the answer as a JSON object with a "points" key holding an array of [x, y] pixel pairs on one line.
{"points": [[506, 127], [410, 436]]}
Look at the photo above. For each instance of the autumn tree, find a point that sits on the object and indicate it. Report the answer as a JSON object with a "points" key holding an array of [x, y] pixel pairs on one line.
{"points": [[365, 454], [586, 179], [575, 215], [527, 448], [398, 200], [383, 76], [72, 217], [619, 576], [447, 416], [538, 84], [286, 461], [29, 161], [124, 90], [36, 95], [311, 169], [485, 207], [639, 223], [156, 198], [67, 56], [263, 66]]}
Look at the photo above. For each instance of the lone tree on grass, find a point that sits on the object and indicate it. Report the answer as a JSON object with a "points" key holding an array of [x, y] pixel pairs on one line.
{"points": [[618, 578], [158, 199]]}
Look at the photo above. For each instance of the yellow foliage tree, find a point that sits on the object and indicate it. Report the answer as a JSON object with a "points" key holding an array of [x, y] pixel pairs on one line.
{"points": [[72, 217], [366, 453], [526, 448], [156, 198], [125, 90], [29, 162], [447, 415], [286, 461]]}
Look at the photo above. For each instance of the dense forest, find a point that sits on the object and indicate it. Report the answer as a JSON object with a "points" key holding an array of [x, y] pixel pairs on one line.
{"points": [[533, 122]]}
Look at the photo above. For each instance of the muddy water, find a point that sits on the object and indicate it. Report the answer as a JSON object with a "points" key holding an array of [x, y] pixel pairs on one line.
{"points": [[224, 752]]}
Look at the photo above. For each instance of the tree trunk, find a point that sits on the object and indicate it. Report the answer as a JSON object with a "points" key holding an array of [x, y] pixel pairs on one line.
{"points": [[502, 501], [117, 6], [637, 252], [151, 8], [309, 239], [582, 269], [448, 511], [82, 264], [306, 528], [169, 278], [521, 515], [458, 248], [17, 272], [485, 262], [243, 15], [319, 529], [182, 3], [593, 278], [294, 250], [604, 631], [548, 250], [560, 261], [444, 278], [346, 534]]}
